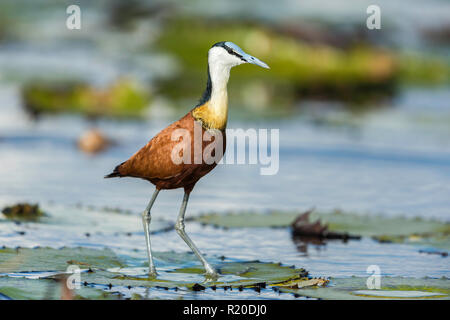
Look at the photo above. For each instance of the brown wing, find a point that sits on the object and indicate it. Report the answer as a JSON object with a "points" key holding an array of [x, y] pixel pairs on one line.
{"points": [[154, 160]]}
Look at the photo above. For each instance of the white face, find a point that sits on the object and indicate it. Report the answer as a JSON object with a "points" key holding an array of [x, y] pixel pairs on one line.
{"points": [[218, 56]]}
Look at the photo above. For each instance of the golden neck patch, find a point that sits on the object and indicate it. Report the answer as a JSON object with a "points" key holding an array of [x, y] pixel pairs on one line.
{"points": [[212, 118]]}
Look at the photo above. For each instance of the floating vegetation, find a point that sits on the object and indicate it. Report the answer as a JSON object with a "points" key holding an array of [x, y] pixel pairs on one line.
{"points": [[113, 274], [103, 269], [357, 74], [383, 229], [23, 211], [408, 294], [101, 281], [297, 70], [303, 228], [28, 289], [124, 98], [391, 287], [55, 261], [303, 283]]}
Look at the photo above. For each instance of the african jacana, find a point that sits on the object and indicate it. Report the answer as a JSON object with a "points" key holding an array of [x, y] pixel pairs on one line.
{"points": [[154, 161]]}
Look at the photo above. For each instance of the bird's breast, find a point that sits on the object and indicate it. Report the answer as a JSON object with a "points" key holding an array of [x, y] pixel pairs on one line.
{"points": [[212, 116]]}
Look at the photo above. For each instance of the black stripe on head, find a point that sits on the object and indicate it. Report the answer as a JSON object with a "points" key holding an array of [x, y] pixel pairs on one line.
{"points": [[229, 50]]}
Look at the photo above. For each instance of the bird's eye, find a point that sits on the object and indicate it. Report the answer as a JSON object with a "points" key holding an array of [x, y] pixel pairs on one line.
{"points": [[230, 51]]}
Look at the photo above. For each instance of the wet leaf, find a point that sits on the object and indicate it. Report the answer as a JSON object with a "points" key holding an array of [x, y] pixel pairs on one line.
{"points": [[49, 259], [356, 288], [232, 275], [303, 283], [26, 289], [386, 229]]}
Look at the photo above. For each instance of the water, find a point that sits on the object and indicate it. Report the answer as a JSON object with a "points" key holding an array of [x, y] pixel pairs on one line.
{"points": [[393, 160], [388, 162]]}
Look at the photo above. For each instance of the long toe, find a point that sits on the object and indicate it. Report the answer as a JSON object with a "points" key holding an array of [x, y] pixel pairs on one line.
{"points": [[152, 273], [211, 274]]}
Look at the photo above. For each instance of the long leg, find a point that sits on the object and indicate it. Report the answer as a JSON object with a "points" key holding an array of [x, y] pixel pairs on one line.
{"points": [[179, 227], [146, 218]]}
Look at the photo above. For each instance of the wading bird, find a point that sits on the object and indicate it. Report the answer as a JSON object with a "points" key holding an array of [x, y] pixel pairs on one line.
{"points": [[155, 162]]}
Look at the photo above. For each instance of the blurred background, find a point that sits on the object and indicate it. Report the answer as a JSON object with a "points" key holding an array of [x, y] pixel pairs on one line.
{"points": [[364, 115]]}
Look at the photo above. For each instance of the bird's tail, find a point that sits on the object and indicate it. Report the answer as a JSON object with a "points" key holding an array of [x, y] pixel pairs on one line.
{"points": [[115, 172]]}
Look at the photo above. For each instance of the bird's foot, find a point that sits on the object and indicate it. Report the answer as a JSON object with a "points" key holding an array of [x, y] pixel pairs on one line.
{"points": [[211, 274], [152, 273]]}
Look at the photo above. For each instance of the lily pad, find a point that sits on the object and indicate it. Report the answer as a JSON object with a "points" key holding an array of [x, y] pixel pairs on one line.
{"points": [[303, 283], [391, 229], [26, 289], [75, 226], [102, 269], [56, 260], [398, 293], [232, 274], [391, 287], [32, 273]]}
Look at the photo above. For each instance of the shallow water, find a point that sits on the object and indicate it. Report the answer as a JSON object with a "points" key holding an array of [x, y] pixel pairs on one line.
{"points": [[98, 229], [388, 162]]}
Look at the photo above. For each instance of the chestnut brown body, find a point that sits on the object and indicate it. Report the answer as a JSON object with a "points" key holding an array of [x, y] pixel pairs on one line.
{"points": [[154, 161]]}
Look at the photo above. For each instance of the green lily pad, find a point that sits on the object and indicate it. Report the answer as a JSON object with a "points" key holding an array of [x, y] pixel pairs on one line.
{"points": [[398, 293], [73, 226], [31, 273], [384, 229], [233, 274], [100, 220], [49, 259], [103, 269], [303, 283], [391, 287], [249, 274], [247, 219], [26, 289]]}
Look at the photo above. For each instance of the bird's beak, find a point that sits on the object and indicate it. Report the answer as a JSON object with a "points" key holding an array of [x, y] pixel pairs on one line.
{"points": [[254, 60]]}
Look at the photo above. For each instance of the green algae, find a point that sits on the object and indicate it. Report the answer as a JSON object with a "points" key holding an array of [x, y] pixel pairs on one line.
{"points": [[102, 268]]}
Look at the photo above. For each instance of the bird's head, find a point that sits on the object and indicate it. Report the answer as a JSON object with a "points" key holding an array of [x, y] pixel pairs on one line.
{"points": [[228, 55]]}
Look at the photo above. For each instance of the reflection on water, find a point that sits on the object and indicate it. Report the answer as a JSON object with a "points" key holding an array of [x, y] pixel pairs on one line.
{"points": [[303, 243]]}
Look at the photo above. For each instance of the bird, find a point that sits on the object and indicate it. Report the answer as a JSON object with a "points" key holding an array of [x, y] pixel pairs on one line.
{"points": [[159, 160]]}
